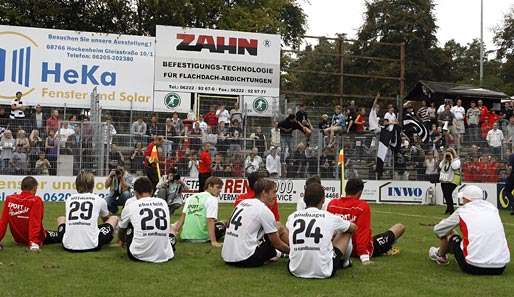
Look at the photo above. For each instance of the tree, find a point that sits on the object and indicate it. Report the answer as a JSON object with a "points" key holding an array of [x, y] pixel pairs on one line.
{"points": [[140, 17], [399, 21], [504, 39]]}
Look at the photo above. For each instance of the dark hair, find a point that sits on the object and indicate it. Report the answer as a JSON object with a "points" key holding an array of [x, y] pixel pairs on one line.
{"points": [[18, 93], [354, 186], [213, 180], [314, 194], [263, 185], [313, 179], [143, 185], [252, 179], [291, 117], [85, 182], [28, 183]]}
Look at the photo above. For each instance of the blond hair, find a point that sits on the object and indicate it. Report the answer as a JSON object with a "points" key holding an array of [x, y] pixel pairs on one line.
{"points": [[85, 182]]}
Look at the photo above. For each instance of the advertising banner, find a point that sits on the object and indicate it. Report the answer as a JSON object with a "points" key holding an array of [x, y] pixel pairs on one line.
{"points": [[259, 106], [58, 68], [172, 102], [503, 201], [399, 191], [217, 62], [490, 193]]}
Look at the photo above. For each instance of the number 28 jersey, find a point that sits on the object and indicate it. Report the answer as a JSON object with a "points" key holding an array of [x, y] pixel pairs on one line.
{"points": [[310, 240], [150, 218], [249, 222], [82, 212]]}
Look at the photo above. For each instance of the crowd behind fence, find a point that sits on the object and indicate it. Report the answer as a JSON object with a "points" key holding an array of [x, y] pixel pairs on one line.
{"points": [[54, 143]]}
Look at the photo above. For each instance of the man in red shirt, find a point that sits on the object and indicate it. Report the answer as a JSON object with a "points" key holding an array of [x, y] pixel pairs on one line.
{"points": [[24, 214], [151, 162], [204, 166], [252, 179], [53, 121], [357, 211]]}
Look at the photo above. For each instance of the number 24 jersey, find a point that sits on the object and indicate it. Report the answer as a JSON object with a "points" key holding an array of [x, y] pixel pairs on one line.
{"points": [[82, 212], [310, 240]]}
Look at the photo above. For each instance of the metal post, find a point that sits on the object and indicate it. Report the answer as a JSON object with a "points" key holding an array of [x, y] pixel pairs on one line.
{"points": [[341, 69], [402, 69], [64, 113], [81, 142], [130, 125], [481, 42]]}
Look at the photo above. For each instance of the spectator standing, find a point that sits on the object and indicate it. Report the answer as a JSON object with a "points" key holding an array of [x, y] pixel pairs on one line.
{"points": [[443, 106], [204, 166], [8, 145], [391, 118], [484, 112], [22, 141], [19, 161], [424, 115], [374, 120], [17, 108], [432, 112], [177, 124], [64, 133], [273, 164], [286, 133], [210, 118], [495, 140], [509, 133], [36, 145], [259, 140], [450, 177], [138, 129], [52, 123], [137, 157], [38, 119], [360, 121], [154, 128], [42, 165], [275, 135], [223, 115], [253, 162], [193, 165], [431, 168], [446, 117], [473, 118], [51, 147], [217, 167], [459, 113]]}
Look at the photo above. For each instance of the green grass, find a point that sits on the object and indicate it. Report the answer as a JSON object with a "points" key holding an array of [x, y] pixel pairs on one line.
{"points": [[198, 269]]}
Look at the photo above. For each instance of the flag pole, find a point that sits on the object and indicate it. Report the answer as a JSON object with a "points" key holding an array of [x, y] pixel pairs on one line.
{"points": [[341, 162]]}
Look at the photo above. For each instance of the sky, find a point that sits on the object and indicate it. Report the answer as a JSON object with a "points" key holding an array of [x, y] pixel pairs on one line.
{"points": [[457, 19]]}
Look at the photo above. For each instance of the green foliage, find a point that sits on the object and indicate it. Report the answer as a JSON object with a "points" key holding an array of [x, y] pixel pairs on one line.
{"points": [[140, 17]]}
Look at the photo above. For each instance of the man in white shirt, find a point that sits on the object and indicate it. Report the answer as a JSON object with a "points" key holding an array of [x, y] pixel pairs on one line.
{"points": [[138, 128], [495, 140], [223, 115], [373, 117], [458, 120], [148, 239], [252, 237], [273, 164], [64, 133], [390, 116], [79, 229], [320, 242], [253, 161], [441, 107], [483, 250]]}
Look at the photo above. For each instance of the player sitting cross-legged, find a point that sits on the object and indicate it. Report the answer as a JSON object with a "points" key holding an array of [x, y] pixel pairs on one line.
{"points": [[199, 220], [79, 228], [23, 213], [320, 242], [357, 211], [252, 236], [145, 226]]}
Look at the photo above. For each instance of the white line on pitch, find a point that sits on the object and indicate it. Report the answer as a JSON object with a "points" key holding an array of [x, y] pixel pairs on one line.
{"points": [[420, 216]]}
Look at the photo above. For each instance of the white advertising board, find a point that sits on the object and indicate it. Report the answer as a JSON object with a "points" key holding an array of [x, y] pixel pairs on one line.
{"points": [[259, 106], [59, 67], [216, 61], [490, 193]]}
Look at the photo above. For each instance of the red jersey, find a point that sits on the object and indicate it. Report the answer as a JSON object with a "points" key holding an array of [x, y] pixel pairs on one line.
{"points": [[205, 162], [356, 211], [359, 123], [24, 214], [211, 119], [251, 194], [148, 152], [484, 113]]}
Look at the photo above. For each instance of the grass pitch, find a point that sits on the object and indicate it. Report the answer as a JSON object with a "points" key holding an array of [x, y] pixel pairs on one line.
{"points": [[198, 269]]}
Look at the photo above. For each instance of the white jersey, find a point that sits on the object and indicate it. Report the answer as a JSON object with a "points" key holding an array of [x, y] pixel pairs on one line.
{"points": [[249, 222], [150, 218], [310, 240], [483, 244], [82, 212]]}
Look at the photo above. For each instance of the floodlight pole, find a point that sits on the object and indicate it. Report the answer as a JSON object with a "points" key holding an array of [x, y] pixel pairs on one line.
{"points": [[481, 42]]}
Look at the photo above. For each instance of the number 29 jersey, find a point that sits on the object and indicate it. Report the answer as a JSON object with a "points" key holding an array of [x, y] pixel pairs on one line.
{"points": [[310, 240], [150, 219], [82, 212], [249, 222]]}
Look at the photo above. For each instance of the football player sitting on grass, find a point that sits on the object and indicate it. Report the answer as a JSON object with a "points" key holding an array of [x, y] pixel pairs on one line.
{"points": [[357, 211]]}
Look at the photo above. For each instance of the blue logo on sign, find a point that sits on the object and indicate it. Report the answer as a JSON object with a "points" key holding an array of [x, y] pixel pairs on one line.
{"points": [[404, 191], [20, 65]]}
